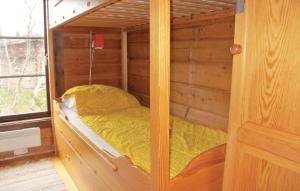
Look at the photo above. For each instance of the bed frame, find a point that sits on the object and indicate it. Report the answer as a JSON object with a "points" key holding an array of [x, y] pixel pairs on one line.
{"points": [[95, 169]]}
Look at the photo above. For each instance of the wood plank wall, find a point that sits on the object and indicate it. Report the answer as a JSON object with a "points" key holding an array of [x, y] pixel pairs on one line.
{"points": [[201, 67], [72, 59]]}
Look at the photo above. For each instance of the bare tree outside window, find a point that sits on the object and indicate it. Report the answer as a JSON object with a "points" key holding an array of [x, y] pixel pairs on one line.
{"points": [[22, 57]]}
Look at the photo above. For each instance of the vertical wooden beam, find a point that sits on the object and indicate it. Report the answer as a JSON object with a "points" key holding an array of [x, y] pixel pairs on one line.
{"points": [[160, 92], [124, 61], [51, 76], [236, 103], [51, 67]]}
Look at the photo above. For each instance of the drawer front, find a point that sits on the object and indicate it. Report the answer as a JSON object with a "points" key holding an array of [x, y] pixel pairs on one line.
{"points": [[101, 166], [79, 171]]}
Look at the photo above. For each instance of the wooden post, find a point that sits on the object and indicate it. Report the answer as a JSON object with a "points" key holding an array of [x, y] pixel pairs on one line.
{"points": [[51, 77], [237, 88], [160, 92], [51, 69], [124, 61]]}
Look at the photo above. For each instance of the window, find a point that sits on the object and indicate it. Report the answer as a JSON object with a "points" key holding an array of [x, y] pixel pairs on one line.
{"points": [[23, 84]]}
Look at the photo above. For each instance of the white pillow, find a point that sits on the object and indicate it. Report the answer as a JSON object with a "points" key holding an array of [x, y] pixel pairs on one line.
{"points": [[70, 103]]}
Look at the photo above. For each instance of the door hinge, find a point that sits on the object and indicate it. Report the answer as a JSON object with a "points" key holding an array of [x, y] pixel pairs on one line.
{"points": [[240, 6]]}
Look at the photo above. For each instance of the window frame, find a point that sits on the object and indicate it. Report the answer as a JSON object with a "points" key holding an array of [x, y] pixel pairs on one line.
{"points": [[32, 115]]}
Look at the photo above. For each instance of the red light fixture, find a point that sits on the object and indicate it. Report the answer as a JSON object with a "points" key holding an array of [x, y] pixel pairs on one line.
{"points": [[98, 41]]}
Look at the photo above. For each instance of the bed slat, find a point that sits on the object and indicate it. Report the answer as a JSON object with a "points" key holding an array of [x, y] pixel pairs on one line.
{"points": [[129, 13]]}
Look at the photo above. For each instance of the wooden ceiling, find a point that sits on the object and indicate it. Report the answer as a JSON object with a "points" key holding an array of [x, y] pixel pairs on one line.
{"points": [[130, 13]]}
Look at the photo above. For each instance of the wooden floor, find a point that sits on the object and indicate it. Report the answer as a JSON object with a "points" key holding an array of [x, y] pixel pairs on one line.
{"points": [[38, 173]]}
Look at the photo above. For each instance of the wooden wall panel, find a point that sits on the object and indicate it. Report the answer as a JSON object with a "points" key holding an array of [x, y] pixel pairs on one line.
{"points": [[201, 66], [206, 99], [72, 59]]}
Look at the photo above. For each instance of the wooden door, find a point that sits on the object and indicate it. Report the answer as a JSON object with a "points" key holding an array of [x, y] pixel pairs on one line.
{"points": [[263, 152]]}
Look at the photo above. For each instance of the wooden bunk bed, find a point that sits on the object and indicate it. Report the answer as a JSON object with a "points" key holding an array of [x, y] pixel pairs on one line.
{"points": [[95, 169]]}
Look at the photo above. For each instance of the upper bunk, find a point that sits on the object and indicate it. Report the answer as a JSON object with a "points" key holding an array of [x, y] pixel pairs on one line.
{"points": [[131, 14]]}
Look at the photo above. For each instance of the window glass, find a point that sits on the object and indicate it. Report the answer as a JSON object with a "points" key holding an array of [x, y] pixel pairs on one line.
{"points": [[22, 18], [22, 95], [22, 56], [23, 87]]}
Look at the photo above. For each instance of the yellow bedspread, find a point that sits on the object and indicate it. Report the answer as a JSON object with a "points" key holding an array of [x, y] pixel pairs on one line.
{"points": [[126, 128], [128, 132]]}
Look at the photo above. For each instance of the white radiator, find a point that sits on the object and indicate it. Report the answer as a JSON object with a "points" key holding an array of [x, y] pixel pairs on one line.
{"points": [[20, 140]]}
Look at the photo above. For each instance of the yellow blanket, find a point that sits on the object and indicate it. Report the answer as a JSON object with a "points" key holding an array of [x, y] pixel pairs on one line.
{"points": [[124, 124], [128, 132]]}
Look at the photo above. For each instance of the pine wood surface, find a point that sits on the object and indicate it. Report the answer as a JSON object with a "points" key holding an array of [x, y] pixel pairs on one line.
{"points": [[160, 14], [264, 142], [72, 59], [200, 75], [131, 13]]}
